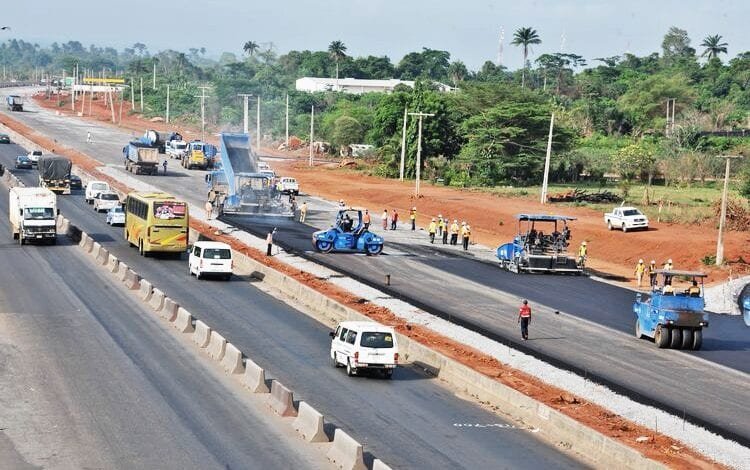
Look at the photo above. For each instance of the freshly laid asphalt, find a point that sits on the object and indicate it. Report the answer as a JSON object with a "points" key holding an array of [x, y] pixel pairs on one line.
{"points": [[408, 422]]}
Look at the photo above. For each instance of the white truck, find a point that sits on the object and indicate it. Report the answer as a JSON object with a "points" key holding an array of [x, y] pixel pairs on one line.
{"points": [[176, 149], [287, 185], [626, 218], [32, 215]]}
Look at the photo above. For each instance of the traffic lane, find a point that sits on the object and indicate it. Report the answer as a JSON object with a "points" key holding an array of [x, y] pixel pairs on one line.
{"points": [[619, 359], [117, 389], [382, 414]]}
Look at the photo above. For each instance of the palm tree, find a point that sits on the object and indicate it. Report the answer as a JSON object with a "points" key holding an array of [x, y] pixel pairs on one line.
{"points": [[337, 51], [713, 46], [525, 37], [250, 48]]}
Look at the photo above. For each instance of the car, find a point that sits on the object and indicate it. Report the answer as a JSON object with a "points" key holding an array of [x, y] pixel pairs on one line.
{"points": [[4, 139], [75, 182], [116, 216], [106, 200], [364, 345], [93, 188], [23, 162], [287, 185], [34, 156], [209, 258]]}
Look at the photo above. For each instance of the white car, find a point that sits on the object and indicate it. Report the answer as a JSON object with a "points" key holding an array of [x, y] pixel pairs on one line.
{"points": [[287, 185], [362, 345], [626, 218], [116, 216], [106, 200], [210, 259], [93, 188], [34, 156]]}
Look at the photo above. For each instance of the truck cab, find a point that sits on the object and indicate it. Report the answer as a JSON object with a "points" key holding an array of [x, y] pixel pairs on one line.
{"points": [[32, 213]]}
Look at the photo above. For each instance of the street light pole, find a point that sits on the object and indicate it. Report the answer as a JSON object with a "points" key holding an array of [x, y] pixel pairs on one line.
{"points": [[545, 180], [312, 130], [419, 149], [722, 218]]}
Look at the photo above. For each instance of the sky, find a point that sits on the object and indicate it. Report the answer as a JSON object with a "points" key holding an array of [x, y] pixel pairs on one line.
{"points": [[469, 29]]}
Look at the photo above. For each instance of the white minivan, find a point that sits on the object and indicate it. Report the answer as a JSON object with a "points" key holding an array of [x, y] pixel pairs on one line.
{"points": [[362, 345], [210, 259], [95, 187]]}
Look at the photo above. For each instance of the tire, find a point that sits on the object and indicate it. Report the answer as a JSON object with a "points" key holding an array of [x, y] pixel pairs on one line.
{"points": [[190, 270], [624, 228], [687, 339], [140, 248], [638, 333], [20, 238], [333, 361], [323, 246], [676, 340], [609, 225], [227, 277], [197, 274], [373, 249], [350, 371], [697, 339], [662, 337], [388, 373]]}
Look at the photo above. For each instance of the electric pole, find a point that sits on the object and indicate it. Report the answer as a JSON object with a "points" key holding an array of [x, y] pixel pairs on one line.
{"points": [[403, 145], [245, 98], [312, 130], [153, 86], [723, 216], [203, 97], [141, 94], [166, 119], [287, 121], [419, 148], [547, 160], [257, 123]]}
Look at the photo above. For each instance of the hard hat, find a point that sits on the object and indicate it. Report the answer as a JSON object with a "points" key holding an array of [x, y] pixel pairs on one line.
{"points": [[463, 223], [669, 261], [583, 243], [440, 215], [414, 208], [433, 219], [455, 221], [653, 262], [640, 261], [468, 226]]}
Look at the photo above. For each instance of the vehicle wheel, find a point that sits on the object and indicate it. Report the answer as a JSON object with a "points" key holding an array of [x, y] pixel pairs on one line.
{"points": [[227, 277], [676, 340], [697, 339], [350, 371], [190, 270], [373, 249], [333, 361], [323, 246], [197, 273], [624, 228], [388, 373], [140, 248], [662, 337], [20, 239], [638, 333], [687, 339], [609, 226]]}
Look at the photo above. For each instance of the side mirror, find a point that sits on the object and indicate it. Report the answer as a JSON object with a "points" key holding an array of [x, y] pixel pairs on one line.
{"points": [[332, 334]]}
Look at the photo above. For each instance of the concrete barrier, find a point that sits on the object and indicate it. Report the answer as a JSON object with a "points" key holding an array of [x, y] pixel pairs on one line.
{"points": [[309, 423], [378, 464], [156, 301], [281, 400], [254, 377], [122, 270], [87, 243], [145, 290], [217, 345], [346, 452], [183, 321], [232, 360], [169, 309], [113, 264], [202, 334], [95, 249], [102, 255], [64, 227], [131, 280]]}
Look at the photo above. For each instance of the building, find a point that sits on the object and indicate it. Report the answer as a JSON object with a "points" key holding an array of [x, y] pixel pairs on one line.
{"points": [[355, 85]]}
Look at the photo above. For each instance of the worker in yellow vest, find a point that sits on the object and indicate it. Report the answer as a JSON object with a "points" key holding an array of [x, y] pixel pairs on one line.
{"points": [[413, 218], [640, 269], [582, 253], [432, 229], [454, 232], [465, 235]]}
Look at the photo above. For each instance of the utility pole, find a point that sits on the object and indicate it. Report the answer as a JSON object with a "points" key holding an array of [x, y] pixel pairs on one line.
{"points": [[722, 218], [312, 132], [257, 123], [245, 98], [141, 94], [153, 87], [671, 105], [403, 146], [287, 121], [419, 148], [132, 94], [546, 161], [203, 97], [166, 119]]}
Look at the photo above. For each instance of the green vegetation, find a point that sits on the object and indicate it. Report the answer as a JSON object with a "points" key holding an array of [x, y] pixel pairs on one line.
{"points": [[611, 118]]}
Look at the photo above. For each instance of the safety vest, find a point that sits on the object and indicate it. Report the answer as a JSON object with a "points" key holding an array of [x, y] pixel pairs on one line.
{"points": [[454, 229], [433, 227], [465, 232], [413, 215], [582, 250], [640, 268], [525, 311], [441, 223]]}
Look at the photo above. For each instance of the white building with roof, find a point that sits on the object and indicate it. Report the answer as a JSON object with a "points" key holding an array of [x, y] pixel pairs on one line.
{"points": [[355, 86]]}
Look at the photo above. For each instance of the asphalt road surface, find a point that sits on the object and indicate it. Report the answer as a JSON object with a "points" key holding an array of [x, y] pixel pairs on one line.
{"points": [[410, 421], [91, 380]]}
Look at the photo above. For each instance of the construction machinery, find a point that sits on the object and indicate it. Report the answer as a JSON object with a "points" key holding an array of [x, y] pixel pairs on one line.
{"points": [[348, 234], [54, 173], [536, 250], [673, 315], [15, 103], [199, 155], [141, 158], [237, 187]]}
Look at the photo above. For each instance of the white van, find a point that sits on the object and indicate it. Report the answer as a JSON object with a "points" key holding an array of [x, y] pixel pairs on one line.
{"points": [[210, 259], [361, 345], [95, 187]]}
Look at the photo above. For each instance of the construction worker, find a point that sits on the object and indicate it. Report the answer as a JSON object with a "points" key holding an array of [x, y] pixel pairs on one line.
{"points": [[465, 235], [432, 229], [524, 318], [165, 166], [269, 242], [445, 230], [640, 268], [694, 290], [366, 220], [384, 219], [413, 218], [668, 267], [582, 252], [88, 137], [394, 219], [209, 210], [652, 273], [440, 225], [341, 204], [303, 211], [454, 232]]}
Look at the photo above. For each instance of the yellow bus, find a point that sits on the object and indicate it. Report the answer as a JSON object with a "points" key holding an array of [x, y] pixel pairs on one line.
{"points": [[156, 222]]}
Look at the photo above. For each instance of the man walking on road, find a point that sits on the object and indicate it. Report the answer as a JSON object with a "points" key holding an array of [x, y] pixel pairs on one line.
{"points": [[384, 219], [440, 225], [269, 241], [303, 211], [413, 218], [640, 268], [165, 166], [524, 318], [394, 219], [454, 232], [431, 229], [366, 219], [652, 273], [582, 252], [445, 230], [209, 210], [88, 137]]}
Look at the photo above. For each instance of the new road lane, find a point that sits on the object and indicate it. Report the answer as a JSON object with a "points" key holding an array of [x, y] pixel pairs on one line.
{"points": [[92, 380], [483, 298], [408, 422]]}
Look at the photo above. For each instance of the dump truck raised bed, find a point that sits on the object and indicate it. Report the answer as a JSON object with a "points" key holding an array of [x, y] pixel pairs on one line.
{"points": [[54, 173]]}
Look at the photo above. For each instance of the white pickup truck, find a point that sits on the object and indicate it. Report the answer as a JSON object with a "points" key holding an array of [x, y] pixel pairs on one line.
{"points": [[626, 218], [287, 185]]}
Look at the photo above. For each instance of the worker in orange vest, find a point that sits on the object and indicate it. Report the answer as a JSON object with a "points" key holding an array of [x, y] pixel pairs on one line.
{"points": [[524, 318], [366, 219]]}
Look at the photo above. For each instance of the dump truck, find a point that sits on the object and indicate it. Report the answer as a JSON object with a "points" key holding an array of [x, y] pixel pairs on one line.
{"points": [[15, 103], [32, 215], [141, 158], [54, 173]]}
